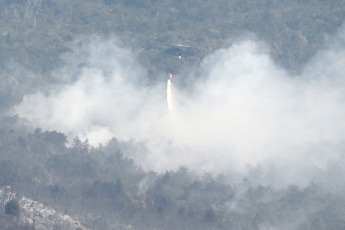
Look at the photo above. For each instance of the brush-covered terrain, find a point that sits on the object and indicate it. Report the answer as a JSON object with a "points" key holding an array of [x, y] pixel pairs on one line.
{"points": [[103, 186]]}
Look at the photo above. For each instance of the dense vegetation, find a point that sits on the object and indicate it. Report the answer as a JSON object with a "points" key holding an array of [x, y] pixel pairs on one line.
{"points": [[105, 189], [101, 185], [34, 33]]}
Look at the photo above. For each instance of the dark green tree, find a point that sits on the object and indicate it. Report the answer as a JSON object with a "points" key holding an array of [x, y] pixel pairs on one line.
{"points": [[12, 208]]}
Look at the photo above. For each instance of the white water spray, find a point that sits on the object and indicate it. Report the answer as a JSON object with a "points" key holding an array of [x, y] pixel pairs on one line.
{"points": [[170, 97]]}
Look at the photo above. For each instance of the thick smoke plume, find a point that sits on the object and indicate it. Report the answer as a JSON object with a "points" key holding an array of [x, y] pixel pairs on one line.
{"points": [[246, 113]]}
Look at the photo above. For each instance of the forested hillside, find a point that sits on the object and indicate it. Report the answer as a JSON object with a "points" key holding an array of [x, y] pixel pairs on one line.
{"points": [[34, 33], [106, 190], [102, 186]]}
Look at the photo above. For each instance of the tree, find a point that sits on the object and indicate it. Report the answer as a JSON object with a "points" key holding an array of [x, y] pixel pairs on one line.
{"points": [[12, 208]]}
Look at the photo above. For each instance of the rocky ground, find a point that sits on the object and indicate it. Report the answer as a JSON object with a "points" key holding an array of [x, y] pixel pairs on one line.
{"points": [[37, 214]]}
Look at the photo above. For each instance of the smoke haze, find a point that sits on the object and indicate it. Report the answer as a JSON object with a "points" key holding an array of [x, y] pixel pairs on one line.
{"points": [[246, 113]]}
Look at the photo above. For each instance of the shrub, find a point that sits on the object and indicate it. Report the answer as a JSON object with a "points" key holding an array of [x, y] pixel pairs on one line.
{"points": [[12, 208]]}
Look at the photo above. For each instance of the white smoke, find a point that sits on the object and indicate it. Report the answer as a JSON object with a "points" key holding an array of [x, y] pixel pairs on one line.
{"points": [[103, 102], [247, 111]]}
